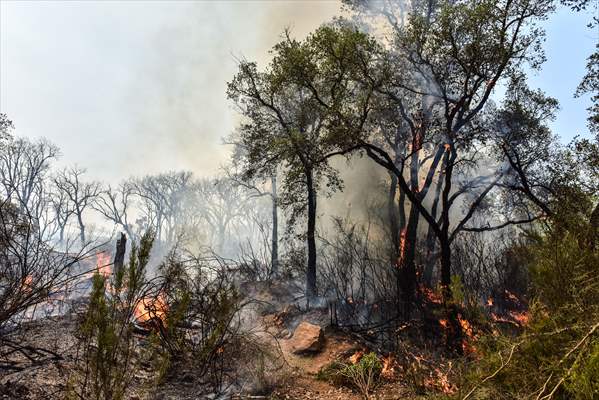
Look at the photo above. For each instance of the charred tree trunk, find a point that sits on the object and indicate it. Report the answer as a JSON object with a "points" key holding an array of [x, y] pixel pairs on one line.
{"points": [[392, 212], [311, 237], [409, 241], [454, 334], [430, 237], [274, 255], [119, 257]]}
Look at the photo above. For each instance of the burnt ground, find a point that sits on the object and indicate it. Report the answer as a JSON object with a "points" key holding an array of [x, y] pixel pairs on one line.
{"points": [[44, 374]]}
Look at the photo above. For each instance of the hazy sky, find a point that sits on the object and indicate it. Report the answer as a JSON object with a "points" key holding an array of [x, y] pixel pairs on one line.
{"points": [[132, 87]]}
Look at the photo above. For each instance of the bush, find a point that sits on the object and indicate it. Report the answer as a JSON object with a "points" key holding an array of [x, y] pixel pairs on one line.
{"points": [[105, 333], [363, 375], [557, 356]]}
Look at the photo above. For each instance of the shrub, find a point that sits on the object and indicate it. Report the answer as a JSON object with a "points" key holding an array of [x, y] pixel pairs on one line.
{"points": [[363, 375], [557, 356], [105, 333]]}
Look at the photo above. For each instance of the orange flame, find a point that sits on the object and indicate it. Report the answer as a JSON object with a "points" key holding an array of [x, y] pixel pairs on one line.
{"points": [[431, 295], [355, 358], [103, 264], [521, 318], [440, 380], [402, 246], [388, 366], [151, 309]]}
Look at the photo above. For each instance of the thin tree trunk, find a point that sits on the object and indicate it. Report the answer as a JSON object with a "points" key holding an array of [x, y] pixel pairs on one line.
{"points": [[430, 236], [454, 334], [311, 237], [392, 211], [119, 257], [408, 245], [274, 256], [81, 228]]}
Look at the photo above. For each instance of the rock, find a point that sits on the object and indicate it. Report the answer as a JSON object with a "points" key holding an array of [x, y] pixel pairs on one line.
{"points": [[307, 338]]}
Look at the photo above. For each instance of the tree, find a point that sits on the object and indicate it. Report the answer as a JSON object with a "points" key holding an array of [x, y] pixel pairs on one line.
{"points": [[222, 204], [166, 200], [79, 194], [114, 205], [443, 66], [294, 126], [6, 126], [24, 167], [258, 187]]}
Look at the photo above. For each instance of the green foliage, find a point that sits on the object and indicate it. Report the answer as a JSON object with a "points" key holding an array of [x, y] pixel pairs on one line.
{"points": [[105, 333], [363, 375], [557, 355]]}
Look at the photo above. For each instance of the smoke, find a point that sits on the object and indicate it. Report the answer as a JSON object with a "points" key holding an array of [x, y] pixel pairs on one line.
{"points": [[134, 88]]}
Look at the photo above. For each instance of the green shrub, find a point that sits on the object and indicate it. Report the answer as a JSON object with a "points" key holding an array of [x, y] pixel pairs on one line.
{"points": [[363, 375], [105, 333], [557, 356]]}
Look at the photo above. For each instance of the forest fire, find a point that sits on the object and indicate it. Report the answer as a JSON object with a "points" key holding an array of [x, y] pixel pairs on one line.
{"points": [[402, 246], [103, 263], [356, 357], [388, 370], [440, 380], [151, 309], [430, 295]]}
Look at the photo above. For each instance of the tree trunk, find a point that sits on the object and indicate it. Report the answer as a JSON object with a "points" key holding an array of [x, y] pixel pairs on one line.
{"points": [[119, 257], [81, 228], [311, 237], [431, 239], [408, 246], [392, 211], [274, 256], [454, 334]]}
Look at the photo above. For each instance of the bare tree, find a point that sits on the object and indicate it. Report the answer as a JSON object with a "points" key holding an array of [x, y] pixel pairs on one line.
{"points": [[24, 167], [62, 210], [166, 202], [114, 204], [222, 204], [79, 194]]}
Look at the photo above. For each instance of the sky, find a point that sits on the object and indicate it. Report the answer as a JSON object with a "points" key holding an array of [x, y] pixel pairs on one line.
{"points": [[127, 88]]}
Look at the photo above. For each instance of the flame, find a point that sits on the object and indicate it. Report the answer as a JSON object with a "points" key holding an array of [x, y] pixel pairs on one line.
{"points": [[521, 318], [440, 380], [388, 366], [151, 309], [355, 358], [103, 264], [490, 302], [469, 336], [512, 297], [443, 323], [431, 295], [402, 246]]}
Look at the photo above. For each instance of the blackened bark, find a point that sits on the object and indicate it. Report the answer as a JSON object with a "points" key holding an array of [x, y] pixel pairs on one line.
{"points": [[274, 255], [454, 334], [392, 211], [409, 262], [311, 237], [431, 239], [119, 257]]}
